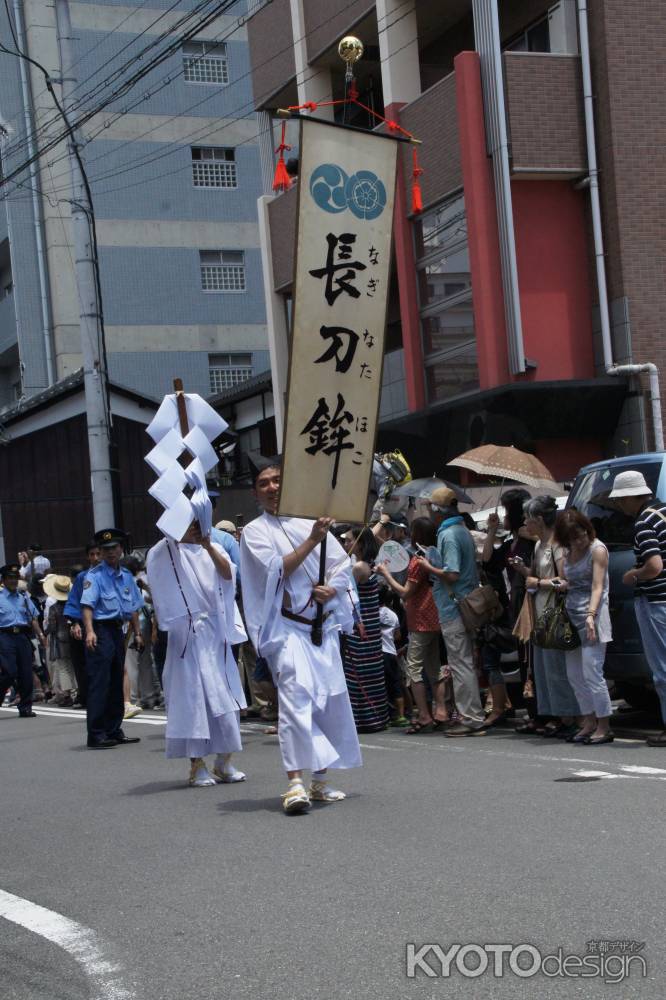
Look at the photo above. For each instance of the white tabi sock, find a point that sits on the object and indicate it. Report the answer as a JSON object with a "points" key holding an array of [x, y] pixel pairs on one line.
{"points": [[224, 769]]}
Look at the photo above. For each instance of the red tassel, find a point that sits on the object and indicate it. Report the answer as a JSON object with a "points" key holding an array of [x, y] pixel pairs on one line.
{"points": [[282, 181], [417, 198]]}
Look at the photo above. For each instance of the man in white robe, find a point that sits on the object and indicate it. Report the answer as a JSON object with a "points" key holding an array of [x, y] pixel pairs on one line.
{"points": [[192, 584], [280, 573]]}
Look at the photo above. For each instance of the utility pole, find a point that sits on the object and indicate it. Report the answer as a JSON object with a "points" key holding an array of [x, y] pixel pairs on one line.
{"points": [[95, 375]]}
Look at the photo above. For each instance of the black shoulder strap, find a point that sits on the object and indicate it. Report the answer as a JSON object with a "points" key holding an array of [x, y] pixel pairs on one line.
{"points": [[190, 626]]}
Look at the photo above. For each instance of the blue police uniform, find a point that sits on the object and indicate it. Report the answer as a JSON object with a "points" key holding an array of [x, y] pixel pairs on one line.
{"points": [[230, 546], [17, 612], [113, 597], [72, 609]]}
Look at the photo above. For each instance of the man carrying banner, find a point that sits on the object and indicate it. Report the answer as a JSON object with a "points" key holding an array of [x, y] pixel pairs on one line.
{"points": [[280, 560]]}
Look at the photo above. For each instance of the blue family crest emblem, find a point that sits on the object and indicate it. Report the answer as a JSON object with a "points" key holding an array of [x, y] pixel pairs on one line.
{"points": [[364, 194]]}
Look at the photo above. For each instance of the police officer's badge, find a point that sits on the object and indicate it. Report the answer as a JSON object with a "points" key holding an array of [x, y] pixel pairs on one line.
{"points": [[87, 584]]}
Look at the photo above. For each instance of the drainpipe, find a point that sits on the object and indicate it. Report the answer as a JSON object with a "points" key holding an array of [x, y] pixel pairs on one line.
{"points": [[44, 290], [593, 184]]}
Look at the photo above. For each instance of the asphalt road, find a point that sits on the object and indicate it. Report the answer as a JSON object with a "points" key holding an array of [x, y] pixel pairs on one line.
{"points": [[195, 894]]}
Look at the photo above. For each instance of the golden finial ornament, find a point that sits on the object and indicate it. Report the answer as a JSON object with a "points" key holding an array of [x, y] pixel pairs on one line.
{"points": [[350, 49]]}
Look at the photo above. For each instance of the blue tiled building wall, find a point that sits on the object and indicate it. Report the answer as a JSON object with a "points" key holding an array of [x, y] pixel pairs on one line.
{"points": [[178, 97], [163, 188], [147, 285], [151, 286], [143, 179], [158, 369]]}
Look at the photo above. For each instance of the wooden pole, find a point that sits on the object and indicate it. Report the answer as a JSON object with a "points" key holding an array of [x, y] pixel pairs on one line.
{"points": [[317, 626], [182, 406]]}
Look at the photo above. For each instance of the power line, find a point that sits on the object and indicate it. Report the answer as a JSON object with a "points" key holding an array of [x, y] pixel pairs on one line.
{"points": [[169, 78], [84, 55], [194, 136], [137, 57], [149, 158], [124, 87]]}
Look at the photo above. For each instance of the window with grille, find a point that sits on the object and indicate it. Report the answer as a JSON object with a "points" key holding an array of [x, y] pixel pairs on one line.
{"points": [[205, 62], [228, 370], [222, 270], [213, 167]]}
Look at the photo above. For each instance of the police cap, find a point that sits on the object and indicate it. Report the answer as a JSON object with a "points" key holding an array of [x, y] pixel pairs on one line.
{"points": [[11, 569], [110, 536]]}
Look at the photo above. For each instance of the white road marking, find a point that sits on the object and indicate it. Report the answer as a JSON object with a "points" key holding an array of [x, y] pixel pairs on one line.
{"points": [[635, 769], [78, 941]]}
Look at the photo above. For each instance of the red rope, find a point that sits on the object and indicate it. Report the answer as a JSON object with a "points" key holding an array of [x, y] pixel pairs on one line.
{"points": [[391, 124]]}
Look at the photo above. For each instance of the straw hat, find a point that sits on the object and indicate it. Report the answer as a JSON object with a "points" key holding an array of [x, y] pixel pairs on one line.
{"points": [[227, 526], [57, 586]]}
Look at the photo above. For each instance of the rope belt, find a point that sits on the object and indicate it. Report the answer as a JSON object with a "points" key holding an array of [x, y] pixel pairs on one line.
{"points": [[301, 619]]}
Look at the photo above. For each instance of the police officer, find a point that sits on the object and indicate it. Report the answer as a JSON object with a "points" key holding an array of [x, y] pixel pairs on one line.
{"points": [[18, 621], [109, 599]]}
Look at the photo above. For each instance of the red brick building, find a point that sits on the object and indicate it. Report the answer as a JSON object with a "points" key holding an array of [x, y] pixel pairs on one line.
{"points": [[495, 329]]}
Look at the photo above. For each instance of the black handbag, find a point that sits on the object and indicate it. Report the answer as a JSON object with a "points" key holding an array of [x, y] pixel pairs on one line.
{"points": [[553, 628]]}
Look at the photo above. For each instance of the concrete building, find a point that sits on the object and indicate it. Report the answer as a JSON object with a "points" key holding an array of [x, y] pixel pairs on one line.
{"points": [[174, 166], [495, 326]]}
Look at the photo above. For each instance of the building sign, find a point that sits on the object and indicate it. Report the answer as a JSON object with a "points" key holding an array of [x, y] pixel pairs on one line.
{"points": [[345, 217]]}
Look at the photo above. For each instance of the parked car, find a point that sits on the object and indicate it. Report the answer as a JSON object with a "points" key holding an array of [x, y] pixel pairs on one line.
{"points": [[625, 663]]}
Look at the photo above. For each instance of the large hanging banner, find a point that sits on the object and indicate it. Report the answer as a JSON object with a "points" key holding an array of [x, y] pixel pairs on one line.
{"points": [[345, 218]]}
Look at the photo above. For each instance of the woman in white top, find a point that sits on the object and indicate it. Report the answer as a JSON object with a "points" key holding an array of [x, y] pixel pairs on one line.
{"points": [[586, 585]]}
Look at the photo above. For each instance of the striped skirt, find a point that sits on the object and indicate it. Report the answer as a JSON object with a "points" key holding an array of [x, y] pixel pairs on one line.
{"points": [[363, 661]]}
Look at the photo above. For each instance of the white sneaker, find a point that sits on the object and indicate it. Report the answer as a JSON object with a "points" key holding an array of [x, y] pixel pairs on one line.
{"points": [[321, 791], [295, 799], [200, 776], [131, 710]]}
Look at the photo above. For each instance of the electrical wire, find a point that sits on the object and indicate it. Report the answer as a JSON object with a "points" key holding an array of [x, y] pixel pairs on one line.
{"points": [[124, 87], [194, 137], [178, 146], [136, 57], [168, 79], [84, 55]]}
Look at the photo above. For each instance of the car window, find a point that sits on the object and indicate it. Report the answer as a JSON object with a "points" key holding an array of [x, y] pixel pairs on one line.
{"points": [[590, 496]]}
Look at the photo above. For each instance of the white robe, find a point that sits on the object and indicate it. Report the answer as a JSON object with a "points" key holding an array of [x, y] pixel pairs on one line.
{"points": [[316, 726], [202, 686]]}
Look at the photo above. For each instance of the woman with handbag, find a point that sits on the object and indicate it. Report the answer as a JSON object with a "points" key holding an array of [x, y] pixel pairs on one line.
{"points": [[555, 695], [586, 586]]}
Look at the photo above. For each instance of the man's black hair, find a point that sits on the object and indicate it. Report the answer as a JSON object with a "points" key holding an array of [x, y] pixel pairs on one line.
{"points": [[259, 463], [92, 544]]}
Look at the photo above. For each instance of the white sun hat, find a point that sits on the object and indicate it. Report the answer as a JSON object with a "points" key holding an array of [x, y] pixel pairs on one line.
{"points": [[629, 484]]}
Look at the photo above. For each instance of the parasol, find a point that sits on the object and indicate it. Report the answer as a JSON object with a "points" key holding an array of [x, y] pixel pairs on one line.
{"points": [[507, 463], [421, 489]]}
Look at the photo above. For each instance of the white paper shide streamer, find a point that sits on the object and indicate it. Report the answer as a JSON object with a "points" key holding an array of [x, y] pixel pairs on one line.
{"points": [[205, 425]]}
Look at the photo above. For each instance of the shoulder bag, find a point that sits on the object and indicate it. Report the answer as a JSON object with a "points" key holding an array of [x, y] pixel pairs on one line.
{"points": [[478, 608], [553, 628]]}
